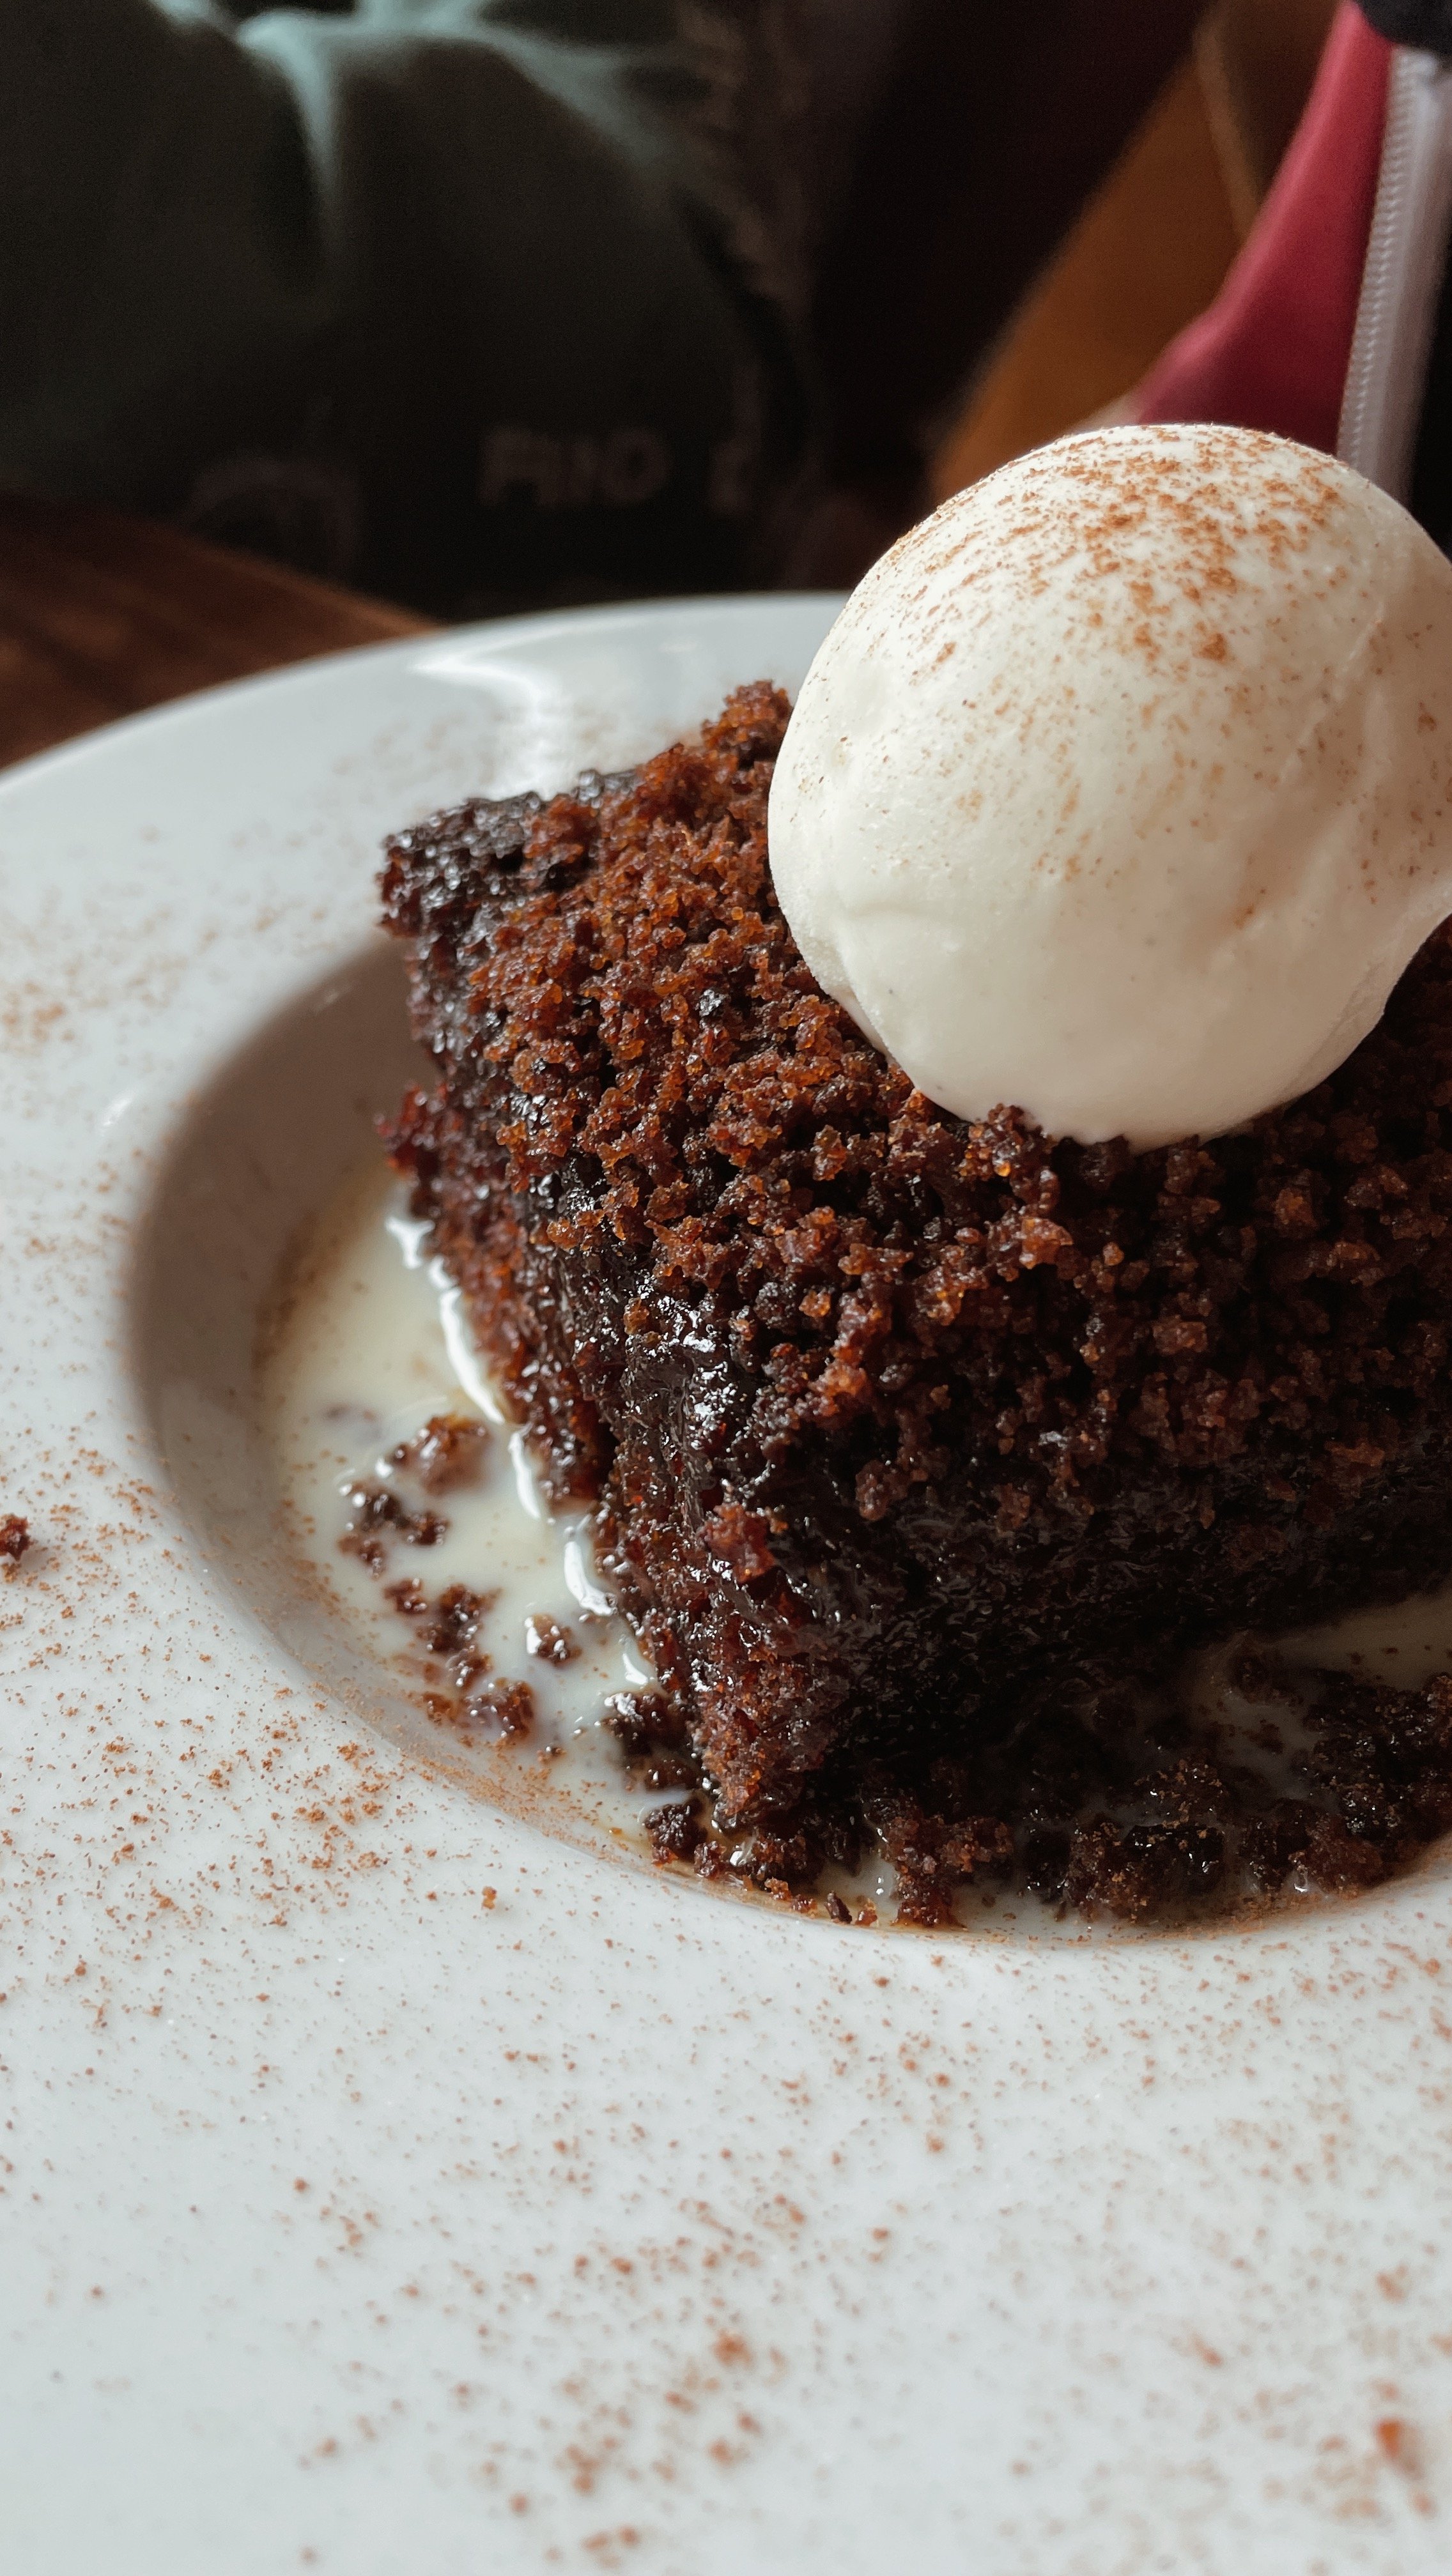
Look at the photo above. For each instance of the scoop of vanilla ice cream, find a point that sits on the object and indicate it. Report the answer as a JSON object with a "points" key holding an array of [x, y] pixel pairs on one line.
{"points": [[1121, 789]]}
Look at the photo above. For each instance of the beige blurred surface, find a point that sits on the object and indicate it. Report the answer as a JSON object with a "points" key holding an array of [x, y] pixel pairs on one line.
{"points": [[1256, 60]]}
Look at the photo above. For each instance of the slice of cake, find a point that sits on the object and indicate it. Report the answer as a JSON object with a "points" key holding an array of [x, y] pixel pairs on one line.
{"points": [[923, 1445], [898, 1426]]}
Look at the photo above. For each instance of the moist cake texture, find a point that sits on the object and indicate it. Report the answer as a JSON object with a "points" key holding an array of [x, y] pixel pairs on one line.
{"points": [[922, 1451]]}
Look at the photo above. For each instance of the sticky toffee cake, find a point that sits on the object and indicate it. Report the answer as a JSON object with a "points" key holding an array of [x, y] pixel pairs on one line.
{"points": [[923, 1451]]}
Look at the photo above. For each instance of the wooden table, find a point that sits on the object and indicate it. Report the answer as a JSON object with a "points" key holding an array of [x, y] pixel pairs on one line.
{"points": [[101, 614]]}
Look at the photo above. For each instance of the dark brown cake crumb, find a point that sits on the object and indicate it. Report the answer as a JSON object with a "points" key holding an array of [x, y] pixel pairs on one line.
{"points": [[672, 1832], [449, 1628], [1372, 1783], [452, 1633], [448, 1453], [14, 1537], [501, 1709], [652, 1735], [922, 1451], [549, 1641], [377, 1516]]}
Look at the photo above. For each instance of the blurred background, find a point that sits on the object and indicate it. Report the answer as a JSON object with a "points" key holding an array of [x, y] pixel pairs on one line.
{"points": [[328, 322], [1152, 245], [1125, 156]]}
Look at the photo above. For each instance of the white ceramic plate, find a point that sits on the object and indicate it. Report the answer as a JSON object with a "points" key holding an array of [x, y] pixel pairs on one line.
{"points": [[351, 2221]]}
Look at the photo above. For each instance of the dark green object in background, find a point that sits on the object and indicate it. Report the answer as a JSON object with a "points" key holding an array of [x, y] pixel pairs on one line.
{"points": [[468, 301], [493, 303]]}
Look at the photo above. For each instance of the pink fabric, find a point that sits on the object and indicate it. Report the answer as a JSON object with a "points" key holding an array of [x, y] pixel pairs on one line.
{"points": [[1273, 350]]}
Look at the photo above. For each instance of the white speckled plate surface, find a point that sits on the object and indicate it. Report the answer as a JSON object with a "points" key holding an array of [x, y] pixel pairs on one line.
{"points": [[349, 2221]]}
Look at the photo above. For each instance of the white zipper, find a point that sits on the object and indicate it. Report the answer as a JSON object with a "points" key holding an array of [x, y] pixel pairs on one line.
{"points": [[1400, 285]]}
